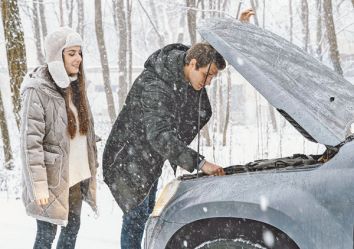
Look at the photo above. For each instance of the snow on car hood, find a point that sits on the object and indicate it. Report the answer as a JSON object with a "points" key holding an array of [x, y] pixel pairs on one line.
{"points": [[317, 101]]}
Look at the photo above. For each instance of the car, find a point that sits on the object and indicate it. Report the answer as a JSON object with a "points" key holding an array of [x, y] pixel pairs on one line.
{"points": [[302, 201]]}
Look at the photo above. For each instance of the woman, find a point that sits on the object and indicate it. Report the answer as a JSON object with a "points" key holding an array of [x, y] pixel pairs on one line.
{"points": [[58, 142]]}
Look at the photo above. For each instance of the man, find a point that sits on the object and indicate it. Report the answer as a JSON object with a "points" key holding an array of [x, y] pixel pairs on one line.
{"points": [[158, 121]]}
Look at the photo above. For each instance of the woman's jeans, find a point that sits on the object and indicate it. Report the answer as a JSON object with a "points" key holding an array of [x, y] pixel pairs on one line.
{"points": [[46, 231], [134, 221]]}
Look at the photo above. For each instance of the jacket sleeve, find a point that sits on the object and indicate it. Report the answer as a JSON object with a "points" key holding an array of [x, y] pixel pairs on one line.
{"points": [[161, 132], [32, 133]]}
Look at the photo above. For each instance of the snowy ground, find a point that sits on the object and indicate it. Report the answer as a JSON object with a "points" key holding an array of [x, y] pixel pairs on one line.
{"points": [[17, 230]]}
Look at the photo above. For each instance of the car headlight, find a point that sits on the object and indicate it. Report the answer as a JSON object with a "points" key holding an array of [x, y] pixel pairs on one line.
{"points": [[166, 194]]}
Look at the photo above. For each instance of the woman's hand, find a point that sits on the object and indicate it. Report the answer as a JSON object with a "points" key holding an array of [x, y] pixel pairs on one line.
{"points": [[42, 202]]}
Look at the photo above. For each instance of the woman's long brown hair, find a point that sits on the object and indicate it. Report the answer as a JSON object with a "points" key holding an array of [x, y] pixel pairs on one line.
{"points": [[77, 92]]}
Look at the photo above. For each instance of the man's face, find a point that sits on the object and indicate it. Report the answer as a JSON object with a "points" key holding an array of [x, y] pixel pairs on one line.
{"points": [[197, 76]]}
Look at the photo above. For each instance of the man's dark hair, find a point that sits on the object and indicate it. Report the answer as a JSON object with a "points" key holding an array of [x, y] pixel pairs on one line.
{"points": [[204, 53]]}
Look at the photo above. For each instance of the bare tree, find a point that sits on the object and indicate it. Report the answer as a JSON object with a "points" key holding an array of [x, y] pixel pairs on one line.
{"points": [[180, 35], [331, 35], [80, 17], [227, 117], [15, 50], [5, 137], [160, 37], [353, 3], [70, 8], [254, 7], [37, 32], [130, 47], [42, 17], [104, 60], [264, 13], [192, 20], [291, 20], [305, 23], [122, 30], [61, 13], [319, 29]]}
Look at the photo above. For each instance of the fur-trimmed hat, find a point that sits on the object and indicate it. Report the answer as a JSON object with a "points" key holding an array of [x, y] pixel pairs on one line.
{"points": [[54, 45]]}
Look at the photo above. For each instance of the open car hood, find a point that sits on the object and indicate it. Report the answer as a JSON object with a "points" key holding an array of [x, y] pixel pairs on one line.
{"points": [[317, 101]]}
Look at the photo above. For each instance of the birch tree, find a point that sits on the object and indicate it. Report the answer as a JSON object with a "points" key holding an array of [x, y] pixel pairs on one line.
{"points": [[104, 61], [130, 45], [80, 18], [227, 117], [42, 18], [15, 51], [192, 20], [5, 137], [61, 13], [319, 29], [291, 26], [37, 32], [331, 36], [70, 8], [305, 23], [122, 31]]}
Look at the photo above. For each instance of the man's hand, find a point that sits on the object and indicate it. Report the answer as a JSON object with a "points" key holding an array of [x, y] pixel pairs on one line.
{"points": [[42, 202], [212, 169], [246, 15]]}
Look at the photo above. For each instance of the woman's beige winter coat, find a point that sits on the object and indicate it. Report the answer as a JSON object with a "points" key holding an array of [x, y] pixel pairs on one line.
{"points": [[44, 150]]}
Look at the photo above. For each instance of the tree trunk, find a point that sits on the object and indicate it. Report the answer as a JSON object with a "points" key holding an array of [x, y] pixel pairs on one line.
{"points": [[264, 13], [42, 17], [353, 3], [37, 33], [70, 8], [104, 60], [192, 20], [203, 8], [331, 35], [319, 30], [291, 21], [255, 13], [5, 137], [160, 37], [205, 133], [156, 20], [272, 117], [130, 46], [61, 13], [15, 50], [305, 23], [180, 35], [80, 18], [227, 117], [221, 109], [122, 51]]}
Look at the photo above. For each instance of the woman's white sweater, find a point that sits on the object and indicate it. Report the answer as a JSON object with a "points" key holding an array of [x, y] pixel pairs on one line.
{"points": [[79, 168]]}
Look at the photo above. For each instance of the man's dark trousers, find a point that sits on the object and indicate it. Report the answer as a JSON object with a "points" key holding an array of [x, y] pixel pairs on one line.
{"points": [[134, 221]]}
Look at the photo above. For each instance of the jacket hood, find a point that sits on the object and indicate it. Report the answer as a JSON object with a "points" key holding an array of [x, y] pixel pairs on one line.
{"points": [[317, 101], [54, 45], [168, 62], [39, 77]]}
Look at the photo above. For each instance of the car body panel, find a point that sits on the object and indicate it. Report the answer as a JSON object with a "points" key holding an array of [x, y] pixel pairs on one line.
{"points": [[313, 207], [317, 98]]}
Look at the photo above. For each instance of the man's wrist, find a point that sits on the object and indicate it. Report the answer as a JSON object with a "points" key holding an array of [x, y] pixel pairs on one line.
{"points": [[201, 164]]}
